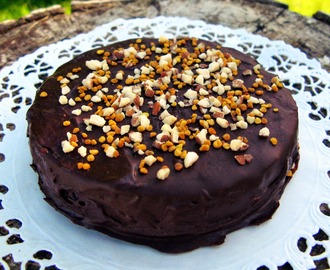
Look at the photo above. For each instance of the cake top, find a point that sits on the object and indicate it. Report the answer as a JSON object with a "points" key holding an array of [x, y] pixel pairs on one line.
{"points": [[166, 103]]}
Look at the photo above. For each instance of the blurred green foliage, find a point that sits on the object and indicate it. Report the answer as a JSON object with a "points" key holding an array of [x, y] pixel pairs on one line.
{"points": [[18, 8]]}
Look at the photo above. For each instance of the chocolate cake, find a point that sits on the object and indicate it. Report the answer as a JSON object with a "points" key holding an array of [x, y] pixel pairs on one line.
{"points": [[171, 144]]}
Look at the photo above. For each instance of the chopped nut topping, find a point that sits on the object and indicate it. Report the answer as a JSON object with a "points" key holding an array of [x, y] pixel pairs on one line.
{"points": [[236, 145], [203, 83], [135, 136], [149, 160], [111, 152], [190, 159], [243, 159], [63, 100], [97, 120], [163, 173], [66, 146], [247, 72], [264, 132], [94, 64]]}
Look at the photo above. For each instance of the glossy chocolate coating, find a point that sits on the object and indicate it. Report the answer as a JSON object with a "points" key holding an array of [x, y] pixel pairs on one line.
{"points": [[195, 207]]}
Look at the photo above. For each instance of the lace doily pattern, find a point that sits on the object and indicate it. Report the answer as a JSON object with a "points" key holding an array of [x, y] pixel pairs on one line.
{"points": [[32, 236]]}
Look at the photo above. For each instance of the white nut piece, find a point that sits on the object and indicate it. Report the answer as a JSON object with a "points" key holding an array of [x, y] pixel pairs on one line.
{"points": [[144, 121], [226, 70], [201, 136], [141, 55], [167, 58], [226, 110], [163, 173], [124, 129], [256, 112], [82, 150], [222, 122], [66, 146], [232, 65], [164, 114], [191, 94], [188, 79], [253, 100], [199, 79], [190, 159], [163, 39], [106, 129], [76, 112], [214, 101], [163, 103], [102, 79], [85, 108], [97, 120], [150, 160], [250, 119], [213, 137], [96, 99], [119, 75], [232, 126], [108, 111], [88, 81], [242, 124], [145, 70], [110, 151], [236, 144], [64, 81], [69, 136], [72, 102], [172, 98], [135, 136], [257, 66], [202, 56], [65, 90], [166, 127], [238, 83], [204, 72], [203, 92], [94, 64], [240, 118], [220, 89], [264, 132], [124, 101], [105, 65], [214, 66], [247, 72], [129, 50], [63, 100], [170, 119], [204, 103]]}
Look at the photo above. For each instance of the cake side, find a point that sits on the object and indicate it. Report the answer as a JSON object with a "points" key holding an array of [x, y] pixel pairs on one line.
{"points": [[193, 206]]}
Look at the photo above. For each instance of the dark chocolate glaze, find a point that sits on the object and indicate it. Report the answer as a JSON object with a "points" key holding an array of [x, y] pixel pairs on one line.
{"points": [[192, 208]]}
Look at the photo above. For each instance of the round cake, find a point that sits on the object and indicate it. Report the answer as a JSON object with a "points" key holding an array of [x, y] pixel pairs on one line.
{"points": [[169, 143]]}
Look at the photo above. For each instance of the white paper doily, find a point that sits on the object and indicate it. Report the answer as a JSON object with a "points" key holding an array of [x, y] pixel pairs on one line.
{"points": [[34, 236]]}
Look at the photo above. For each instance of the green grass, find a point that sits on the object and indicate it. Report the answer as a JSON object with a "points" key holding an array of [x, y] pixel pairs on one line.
{"points": [[16, 9]]}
